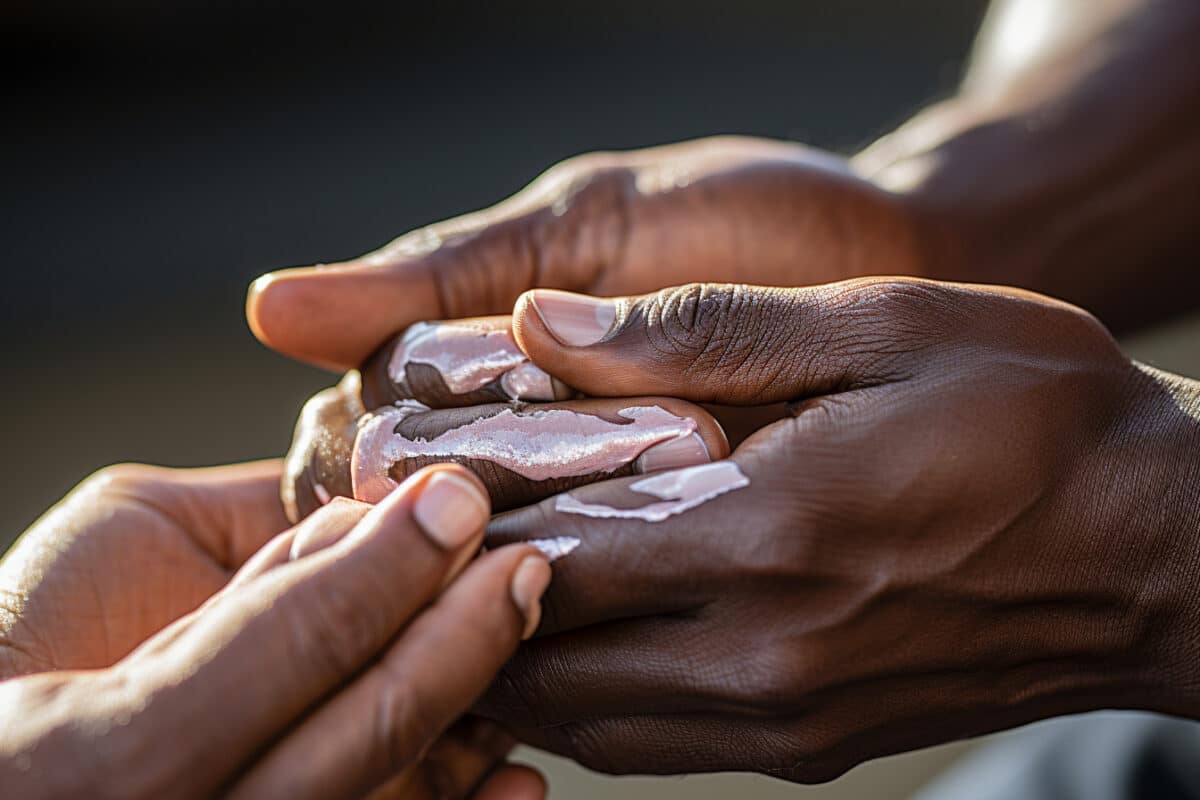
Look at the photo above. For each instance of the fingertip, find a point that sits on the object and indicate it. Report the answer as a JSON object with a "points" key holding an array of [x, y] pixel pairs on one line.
{"points": [[527, 327], [529, 582], [513, 782], [280, 309], [335, 315], [451, 508]]}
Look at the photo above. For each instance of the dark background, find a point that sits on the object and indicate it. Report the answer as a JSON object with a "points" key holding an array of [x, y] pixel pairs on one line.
{"points": [[156, 157]]}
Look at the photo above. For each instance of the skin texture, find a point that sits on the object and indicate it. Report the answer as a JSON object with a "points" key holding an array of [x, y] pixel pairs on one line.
{"points": [[318, 463], [114, 665], [979, 513], [1069, 162], [717, 209], [882, 584], [1067, 165]]}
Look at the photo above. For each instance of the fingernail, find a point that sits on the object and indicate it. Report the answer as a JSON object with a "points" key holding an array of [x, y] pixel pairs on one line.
{"points": [[450, 509], [576, 320], [686, 452], [529, 583]]}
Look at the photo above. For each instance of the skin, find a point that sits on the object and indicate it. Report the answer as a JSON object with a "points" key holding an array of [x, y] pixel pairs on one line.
{"points": [[425, 384], [979, 512], [324, 438], [882, 584], [1037, 173], [149, 598]]}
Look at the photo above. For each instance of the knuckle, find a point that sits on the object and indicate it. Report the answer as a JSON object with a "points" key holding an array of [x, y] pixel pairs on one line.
{"points": [[900, 296], [584, 227], [767, 682], [879, 321], [125, 478], [707, 327], [898, 308]]}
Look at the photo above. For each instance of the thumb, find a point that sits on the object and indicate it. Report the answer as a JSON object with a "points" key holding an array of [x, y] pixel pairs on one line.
{"points": [[554, 233], [730, 343]]}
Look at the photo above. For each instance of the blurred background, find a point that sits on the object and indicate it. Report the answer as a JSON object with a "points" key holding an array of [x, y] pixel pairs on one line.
{"points": [[156, 157]]}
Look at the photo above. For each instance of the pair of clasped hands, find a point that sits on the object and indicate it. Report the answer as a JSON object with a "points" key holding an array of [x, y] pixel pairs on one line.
{"points": [[936, 540]]}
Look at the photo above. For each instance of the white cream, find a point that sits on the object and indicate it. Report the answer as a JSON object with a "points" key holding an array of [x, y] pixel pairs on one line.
{"points": [[469, 356], [556, 547], [678, 491], [538, 445]]}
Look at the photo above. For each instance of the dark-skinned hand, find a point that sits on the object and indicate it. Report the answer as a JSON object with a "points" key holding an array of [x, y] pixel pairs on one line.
{"points": [[979, 513], [719, 209]]}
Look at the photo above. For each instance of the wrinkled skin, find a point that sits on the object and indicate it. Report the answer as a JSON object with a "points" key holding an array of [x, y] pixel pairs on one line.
{"points": [[973, 526], [159, 636], [883, 584]]}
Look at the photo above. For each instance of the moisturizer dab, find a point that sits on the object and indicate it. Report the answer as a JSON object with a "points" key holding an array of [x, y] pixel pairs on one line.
{"points": [[537, 445], [677, 491], [555, 547], [469, 356]]}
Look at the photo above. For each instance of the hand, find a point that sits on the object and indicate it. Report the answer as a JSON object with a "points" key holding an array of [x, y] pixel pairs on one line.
{"points": [[327, 664], [979, 514], [724, 209]]}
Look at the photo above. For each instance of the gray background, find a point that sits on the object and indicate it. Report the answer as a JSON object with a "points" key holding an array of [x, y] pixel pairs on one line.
{"points": [[154, 160]]}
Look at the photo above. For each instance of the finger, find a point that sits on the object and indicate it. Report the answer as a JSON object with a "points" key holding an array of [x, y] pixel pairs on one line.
{"points": [[334, 316], [275, 645], [513, 782], [656, 665], [458, 363], [528, 453], [390, 714], [733, 344], [638, 550], [314, 533], [670, 744], [453, 766], [606, 222], [521, 454]]}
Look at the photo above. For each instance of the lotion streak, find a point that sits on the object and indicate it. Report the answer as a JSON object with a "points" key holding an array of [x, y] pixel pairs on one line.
{"points": [[679, 491], [538, 445]]}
